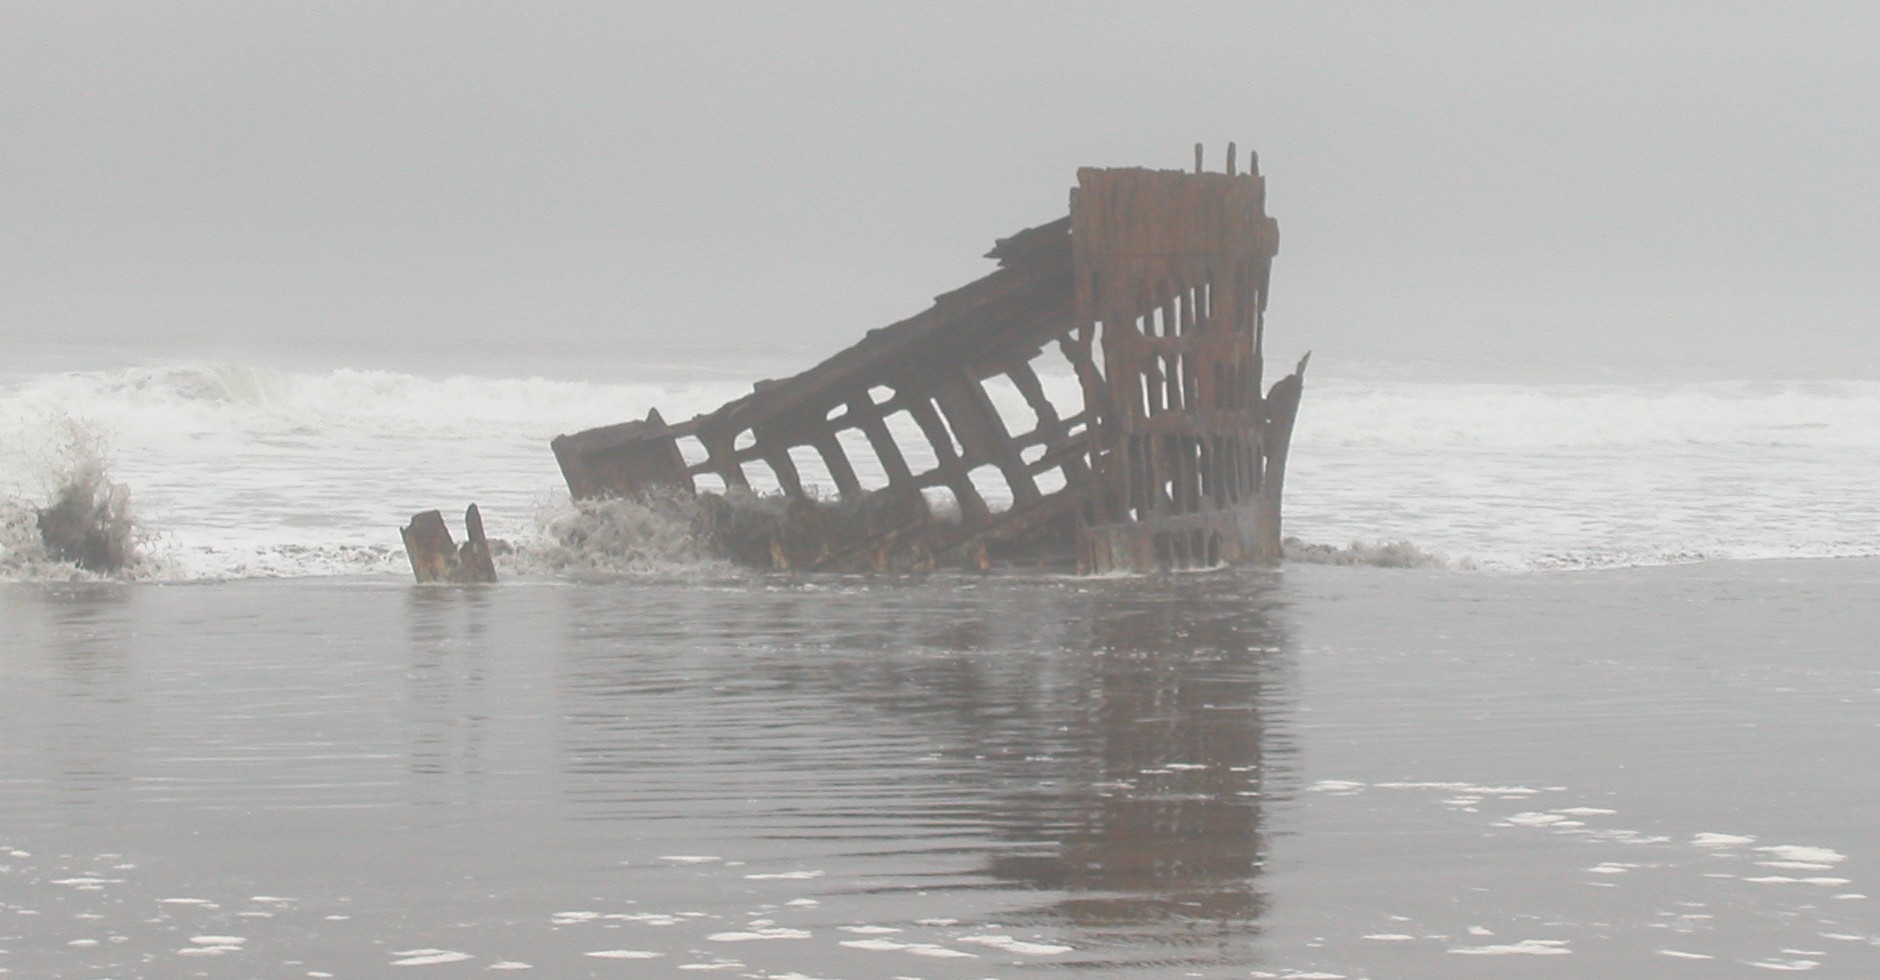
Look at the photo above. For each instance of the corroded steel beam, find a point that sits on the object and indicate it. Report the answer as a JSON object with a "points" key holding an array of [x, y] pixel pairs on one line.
{"points": [[1151, 292]]}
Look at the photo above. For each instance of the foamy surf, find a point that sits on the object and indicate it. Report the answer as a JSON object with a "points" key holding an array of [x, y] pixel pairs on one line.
{"points": [[239, 471]]}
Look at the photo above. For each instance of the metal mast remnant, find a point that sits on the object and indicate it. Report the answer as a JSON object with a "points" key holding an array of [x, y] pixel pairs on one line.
{"points": [[1163, 454]]}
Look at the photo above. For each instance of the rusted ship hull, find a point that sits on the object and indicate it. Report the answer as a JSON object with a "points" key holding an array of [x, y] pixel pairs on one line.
{"points": [[1152, 292]]}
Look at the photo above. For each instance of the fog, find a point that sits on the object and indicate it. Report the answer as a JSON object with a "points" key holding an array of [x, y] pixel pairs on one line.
{"points": [[1471, 187]]}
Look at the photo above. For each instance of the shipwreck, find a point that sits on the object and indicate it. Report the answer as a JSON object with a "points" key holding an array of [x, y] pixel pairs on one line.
{"points": [[1095, 403]]}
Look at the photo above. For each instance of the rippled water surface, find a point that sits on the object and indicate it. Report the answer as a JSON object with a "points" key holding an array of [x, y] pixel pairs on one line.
{"points": [[834, 778], [1317, 772]]}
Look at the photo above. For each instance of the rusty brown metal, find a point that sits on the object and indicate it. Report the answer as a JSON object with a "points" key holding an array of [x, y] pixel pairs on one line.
{"points": [[436, 558], [1152, 292]]}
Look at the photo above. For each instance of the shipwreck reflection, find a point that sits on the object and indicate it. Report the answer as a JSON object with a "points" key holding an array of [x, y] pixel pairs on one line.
{"points": [[1167, 823], [1093, 752], [448, 693]]}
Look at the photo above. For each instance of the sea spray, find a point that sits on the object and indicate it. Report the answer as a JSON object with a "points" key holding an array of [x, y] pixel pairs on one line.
{"points": [[1394, 554], [85, 522], [22, 553], [660, 534]]}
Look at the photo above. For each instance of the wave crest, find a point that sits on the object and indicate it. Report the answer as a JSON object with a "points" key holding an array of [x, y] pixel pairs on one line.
{"points": [[236, 384]]}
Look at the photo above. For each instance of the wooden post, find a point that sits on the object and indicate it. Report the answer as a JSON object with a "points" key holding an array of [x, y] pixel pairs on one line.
{"points": [[436, 558], [474, 562]]}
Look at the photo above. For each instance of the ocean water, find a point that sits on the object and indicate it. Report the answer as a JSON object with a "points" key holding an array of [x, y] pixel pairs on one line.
{"points": [[1622, 725], [237, 470]]}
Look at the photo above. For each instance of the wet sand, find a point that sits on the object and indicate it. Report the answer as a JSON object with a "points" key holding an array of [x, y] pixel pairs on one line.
{"points": [[1315, 772]]}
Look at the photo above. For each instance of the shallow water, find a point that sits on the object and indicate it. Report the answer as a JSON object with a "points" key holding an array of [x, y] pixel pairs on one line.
{"points": [[1639, 772], [835, 777], [1312, 772]]}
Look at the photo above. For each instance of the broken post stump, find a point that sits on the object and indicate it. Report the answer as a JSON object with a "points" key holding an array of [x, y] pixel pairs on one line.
{"points": [[437, 558]]}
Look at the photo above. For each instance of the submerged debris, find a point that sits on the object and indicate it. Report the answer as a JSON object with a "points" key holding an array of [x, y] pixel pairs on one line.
{"points": [[941, 444]]}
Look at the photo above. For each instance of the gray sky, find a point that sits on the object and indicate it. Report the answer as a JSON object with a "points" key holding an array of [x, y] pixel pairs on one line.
{"points": [[1575, 185]]}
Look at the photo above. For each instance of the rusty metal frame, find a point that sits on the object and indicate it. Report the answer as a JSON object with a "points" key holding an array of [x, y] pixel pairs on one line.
{"points": [[1153, 289]]}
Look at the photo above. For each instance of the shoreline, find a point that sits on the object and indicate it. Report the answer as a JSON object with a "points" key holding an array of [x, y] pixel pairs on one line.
{"points": [[713, 572]]}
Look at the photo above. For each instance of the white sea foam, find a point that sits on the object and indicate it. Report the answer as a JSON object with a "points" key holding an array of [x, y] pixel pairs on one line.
{"points": [[648, 918], [246, 471], [429, 957], [1526, 947], [1532, 819], [758, 934], [1721, 840], [937, 951], [874, 945], [1800, 855], [1012, 945], [1505, 792], [1535, 476]]}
